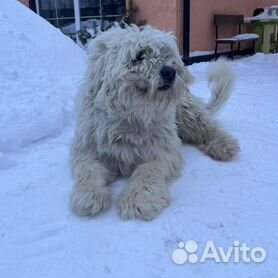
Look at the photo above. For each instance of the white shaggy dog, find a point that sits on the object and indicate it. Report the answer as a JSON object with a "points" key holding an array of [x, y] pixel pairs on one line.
{"points": [[133, 110]]}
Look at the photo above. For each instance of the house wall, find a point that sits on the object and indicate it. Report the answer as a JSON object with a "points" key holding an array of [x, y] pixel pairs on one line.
{"points": [[167, 15], [25, 2], [202, 31]]}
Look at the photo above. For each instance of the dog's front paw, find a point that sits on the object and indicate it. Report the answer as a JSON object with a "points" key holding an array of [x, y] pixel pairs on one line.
{"points": [[222, 148], [145, 203], [89, 201]]}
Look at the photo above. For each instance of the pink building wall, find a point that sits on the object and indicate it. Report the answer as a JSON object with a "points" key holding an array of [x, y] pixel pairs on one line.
{"points": [[168, 16], [25, 2], [202, 32]]}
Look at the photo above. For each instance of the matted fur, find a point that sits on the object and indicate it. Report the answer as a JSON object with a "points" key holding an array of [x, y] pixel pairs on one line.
{"points": [[130, 124]]}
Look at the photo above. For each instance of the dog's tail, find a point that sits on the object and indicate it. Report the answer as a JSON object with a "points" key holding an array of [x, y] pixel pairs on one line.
{"points": [[221, 80]]}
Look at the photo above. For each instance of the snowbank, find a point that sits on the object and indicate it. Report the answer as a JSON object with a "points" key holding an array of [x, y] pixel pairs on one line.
{"points": [[222, 202], [39, 71]]}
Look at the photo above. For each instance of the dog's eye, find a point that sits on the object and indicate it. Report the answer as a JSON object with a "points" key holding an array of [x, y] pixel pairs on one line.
{"points": [[140, 56]]}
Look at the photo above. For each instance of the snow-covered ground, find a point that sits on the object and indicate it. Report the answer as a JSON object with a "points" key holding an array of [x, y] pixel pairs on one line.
{"points": [[223, 202]]}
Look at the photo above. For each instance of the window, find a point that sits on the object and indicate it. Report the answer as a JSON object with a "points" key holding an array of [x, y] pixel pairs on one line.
{"points": [[93, 13]]}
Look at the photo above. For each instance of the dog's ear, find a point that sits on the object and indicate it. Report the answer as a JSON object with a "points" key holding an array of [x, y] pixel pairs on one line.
{"points": [[97, 47], [96, 63]]}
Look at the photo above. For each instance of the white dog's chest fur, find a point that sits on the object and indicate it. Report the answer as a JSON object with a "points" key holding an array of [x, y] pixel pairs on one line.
{"points": [[125, 145]]}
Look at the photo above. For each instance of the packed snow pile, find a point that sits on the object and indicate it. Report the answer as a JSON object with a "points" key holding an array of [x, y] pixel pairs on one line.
{"points": [[40, 69]]}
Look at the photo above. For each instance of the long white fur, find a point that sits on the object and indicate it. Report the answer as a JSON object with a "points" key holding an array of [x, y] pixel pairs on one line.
{"points": [[127, 126]]}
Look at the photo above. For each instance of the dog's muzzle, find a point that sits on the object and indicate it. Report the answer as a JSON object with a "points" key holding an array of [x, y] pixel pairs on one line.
{"points": [[168, 75]]}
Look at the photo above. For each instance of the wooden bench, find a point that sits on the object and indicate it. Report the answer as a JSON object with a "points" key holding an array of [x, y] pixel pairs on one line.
{"points": [[229, 20]]}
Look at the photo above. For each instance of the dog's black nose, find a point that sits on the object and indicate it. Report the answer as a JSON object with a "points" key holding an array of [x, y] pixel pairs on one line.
{"points": [[168, 74]]}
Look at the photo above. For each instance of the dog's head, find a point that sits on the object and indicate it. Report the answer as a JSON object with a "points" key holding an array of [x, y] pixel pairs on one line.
{"points": [[135, 67]]}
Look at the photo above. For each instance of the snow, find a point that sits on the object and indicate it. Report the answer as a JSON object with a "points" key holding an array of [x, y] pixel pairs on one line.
{"points": [[269, 13], [200, 53], [246, 36], [39, 72], [223, 202], [241, 37]]}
